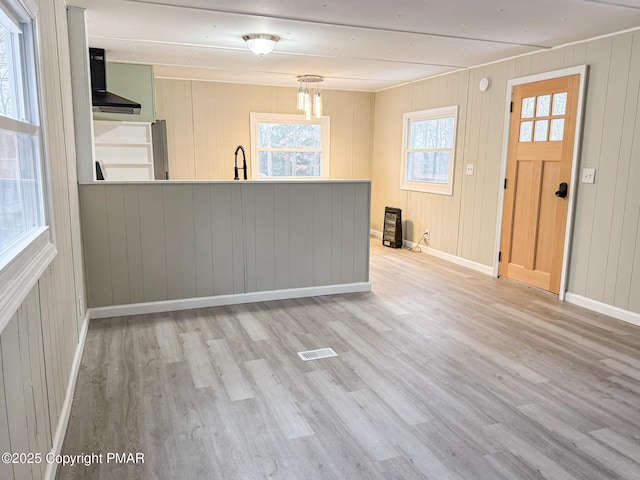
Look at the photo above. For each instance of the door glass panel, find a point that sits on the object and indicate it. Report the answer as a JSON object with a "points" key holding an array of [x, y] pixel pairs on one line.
{"points": [[542, 127], [527, 107], [544, 103], [560, 103], [526, 131], [557, 129]]}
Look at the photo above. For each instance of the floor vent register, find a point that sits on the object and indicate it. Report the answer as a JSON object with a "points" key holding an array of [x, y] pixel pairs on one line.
{"points": [[317, 354]]}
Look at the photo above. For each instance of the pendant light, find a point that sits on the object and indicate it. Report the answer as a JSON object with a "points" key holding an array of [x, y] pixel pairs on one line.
{"points": [[310, 101]]}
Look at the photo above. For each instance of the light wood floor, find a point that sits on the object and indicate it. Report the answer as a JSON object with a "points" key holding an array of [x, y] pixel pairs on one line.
{"points": [[442, 373]]}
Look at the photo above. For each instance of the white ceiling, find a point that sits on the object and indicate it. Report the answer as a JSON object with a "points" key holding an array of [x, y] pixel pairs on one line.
{"points": [[355, 44]]}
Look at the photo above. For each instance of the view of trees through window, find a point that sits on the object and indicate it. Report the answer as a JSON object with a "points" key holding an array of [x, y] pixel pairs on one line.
{"points": [[21, 199], [289, 149], [20, 192], [6, 105], [429, 150]]}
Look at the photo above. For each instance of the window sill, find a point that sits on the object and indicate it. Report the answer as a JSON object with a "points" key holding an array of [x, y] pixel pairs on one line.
{"points": [[29, 259], [435, 188]]}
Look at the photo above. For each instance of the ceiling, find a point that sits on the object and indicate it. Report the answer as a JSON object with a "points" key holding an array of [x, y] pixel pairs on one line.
{"points": [[363, 45]]}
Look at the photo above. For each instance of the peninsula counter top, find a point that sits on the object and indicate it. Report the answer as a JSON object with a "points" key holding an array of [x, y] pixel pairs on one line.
{"points": [[269, 181], [153, 246]]}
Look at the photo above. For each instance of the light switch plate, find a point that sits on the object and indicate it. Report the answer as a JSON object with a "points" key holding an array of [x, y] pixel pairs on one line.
{"points": [[470, 169], [588, 175]]}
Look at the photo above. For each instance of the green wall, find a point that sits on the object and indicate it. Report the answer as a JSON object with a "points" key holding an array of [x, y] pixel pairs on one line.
{"points": [[134, 82]]}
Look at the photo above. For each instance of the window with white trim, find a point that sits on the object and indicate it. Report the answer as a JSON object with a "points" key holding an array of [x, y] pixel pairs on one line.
{"points": [[25, 241], [288, 146], [428, 151]]}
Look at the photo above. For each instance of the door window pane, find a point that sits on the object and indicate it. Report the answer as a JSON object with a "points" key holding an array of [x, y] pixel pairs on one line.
{"points": [[542, 127], [557, 129], [544, 103], [527, 107], [560, 103], [526, 131]]}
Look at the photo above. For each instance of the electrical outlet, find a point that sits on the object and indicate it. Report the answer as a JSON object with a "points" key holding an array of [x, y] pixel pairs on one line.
{"points": [[588, 175], [426, 234], [470, 169]]}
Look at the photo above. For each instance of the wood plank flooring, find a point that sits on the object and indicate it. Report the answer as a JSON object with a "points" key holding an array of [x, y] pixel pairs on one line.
{"points": [[442, 373]]}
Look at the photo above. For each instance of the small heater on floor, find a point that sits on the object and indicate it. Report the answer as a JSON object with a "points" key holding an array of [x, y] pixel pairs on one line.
{"points": [[392, 233]]}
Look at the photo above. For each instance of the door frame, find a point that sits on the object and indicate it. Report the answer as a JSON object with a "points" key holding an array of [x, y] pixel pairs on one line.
{"points": [[581, 70]]}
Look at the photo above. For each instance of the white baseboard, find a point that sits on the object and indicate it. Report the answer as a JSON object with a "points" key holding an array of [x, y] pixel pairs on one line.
{"points": [[216, 301], [604, 308], [63, 420], [478, 267], [615, 312]]}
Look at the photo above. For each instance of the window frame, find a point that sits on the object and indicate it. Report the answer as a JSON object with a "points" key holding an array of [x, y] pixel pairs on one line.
{"points": [[325, 124], [422, 115], [24, 261]]}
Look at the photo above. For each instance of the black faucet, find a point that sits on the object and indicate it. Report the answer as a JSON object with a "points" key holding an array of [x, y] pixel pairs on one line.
{"points": [[244, 163]]}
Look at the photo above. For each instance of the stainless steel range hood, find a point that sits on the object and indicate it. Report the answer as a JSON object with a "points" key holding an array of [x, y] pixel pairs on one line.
{"points": [[102, 100]]}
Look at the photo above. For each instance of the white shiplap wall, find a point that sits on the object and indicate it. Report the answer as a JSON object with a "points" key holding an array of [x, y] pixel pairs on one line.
{"points": [[37, 347], [207, 120], [605, 261]]}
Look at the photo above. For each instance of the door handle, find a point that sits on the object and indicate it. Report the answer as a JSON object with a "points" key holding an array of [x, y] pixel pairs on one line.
{"points": [[562, 192]]}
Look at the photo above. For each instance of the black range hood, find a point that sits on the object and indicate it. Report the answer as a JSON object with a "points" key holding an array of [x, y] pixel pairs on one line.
{"points": [[102, 100]]}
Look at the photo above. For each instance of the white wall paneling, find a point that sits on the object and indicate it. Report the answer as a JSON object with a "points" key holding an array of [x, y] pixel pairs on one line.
{"points": [[206, 121], [605, 262], [38, 344], [81, 100], [183, 240]]}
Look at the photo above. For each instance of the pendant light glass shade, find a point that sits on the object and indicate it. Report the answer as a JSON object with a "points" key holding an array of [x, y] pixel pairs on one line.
{"points": [[300, 98], [307, 104], [317, 104]]}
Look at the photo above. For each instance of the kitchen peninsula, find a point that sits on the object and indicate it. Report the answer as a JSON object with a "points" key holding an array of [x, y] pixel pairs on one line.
{"points": [[170, 245]]}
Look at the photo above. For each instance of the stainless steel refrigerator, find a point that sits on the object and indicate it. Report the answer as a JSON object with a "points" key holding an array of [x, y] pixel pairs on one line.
{"points": [[160, 154]]}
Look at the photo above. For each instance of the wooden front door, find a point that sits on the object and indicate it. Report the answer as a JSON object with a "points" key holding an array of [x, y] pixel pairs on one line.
{"points": [[538, 182]]}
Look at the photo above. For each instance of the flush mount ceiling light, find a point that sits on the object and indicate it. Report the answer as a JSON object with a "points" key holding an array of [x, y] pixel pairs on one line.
{"points": [[261, 43], [310, 101]]}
